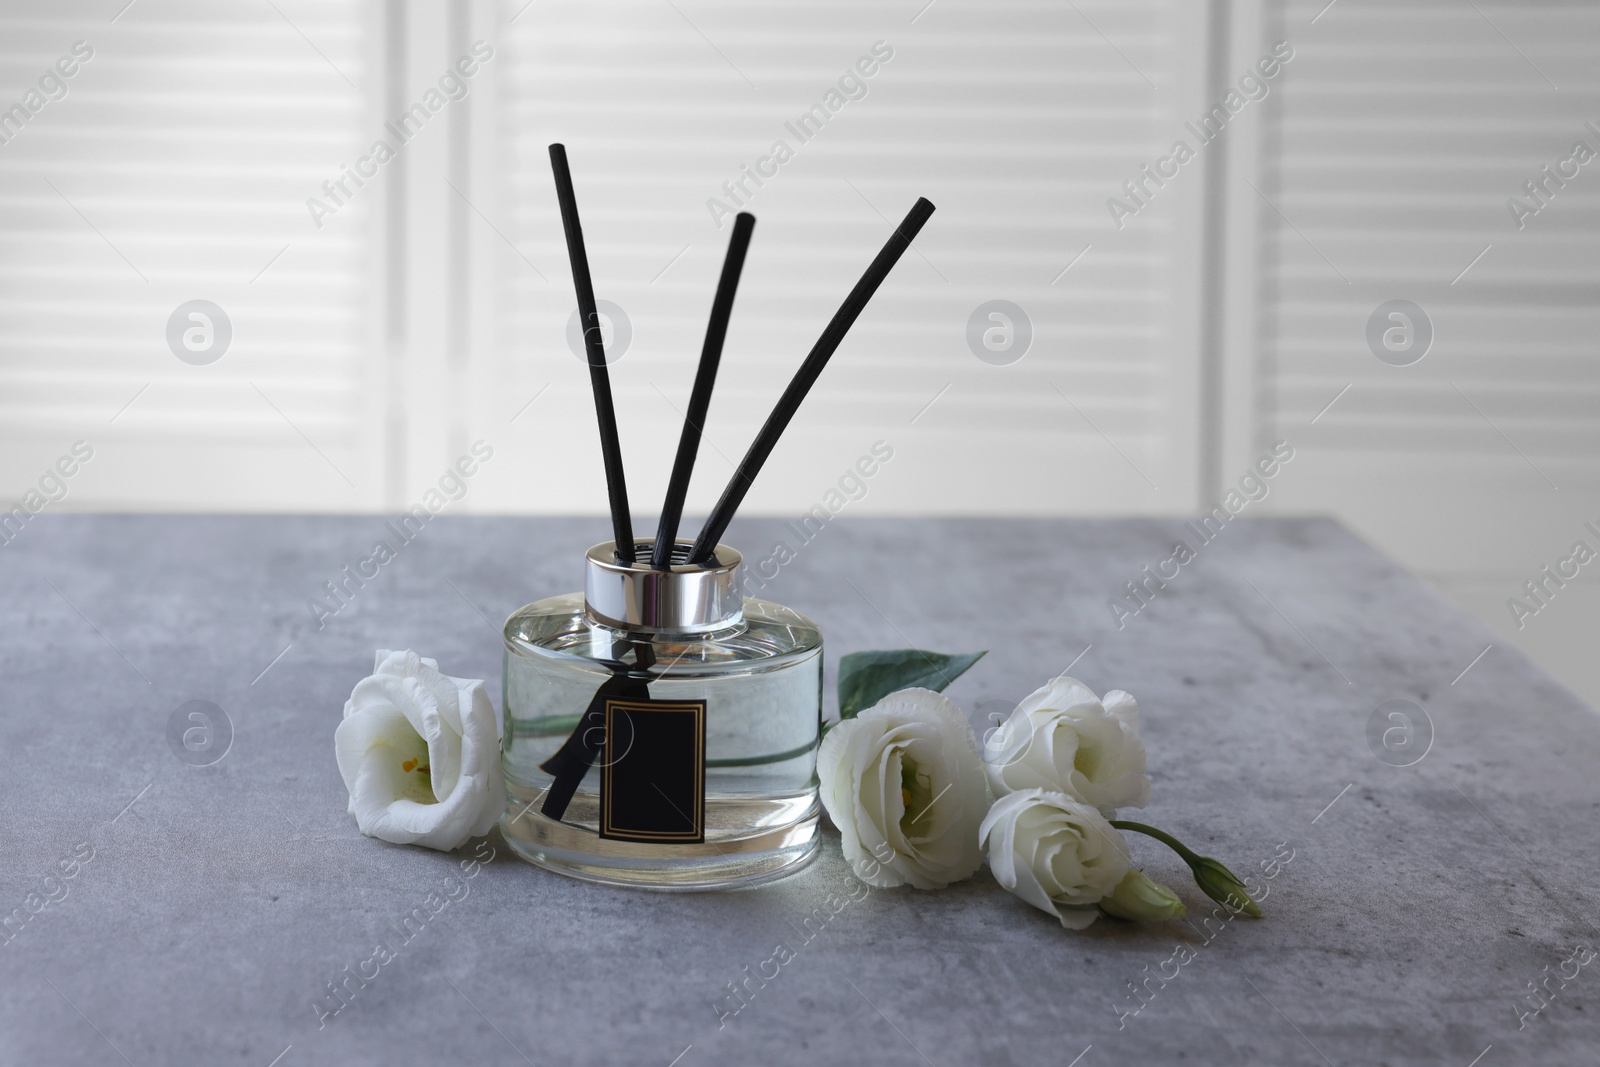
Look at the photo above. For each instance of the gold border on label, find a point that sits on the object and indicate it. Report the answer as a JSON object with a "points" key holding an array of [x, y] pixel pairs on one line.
{"points": [[697, 708]]}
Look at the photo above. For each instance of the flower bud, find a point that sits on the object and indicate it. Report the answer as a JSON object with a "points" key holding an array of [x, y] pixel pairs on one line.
{"points": [[1222, 885], [1218, 883], [1140, 897]]}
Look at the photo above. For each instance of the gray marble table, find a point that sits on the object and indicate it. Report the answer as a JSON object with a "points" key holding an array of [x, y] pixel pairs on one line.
{"points": [[210, 907]]}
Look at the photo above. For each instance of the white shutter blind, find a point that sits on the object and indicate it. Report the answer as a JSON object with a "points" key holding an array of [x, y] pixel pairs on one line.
{"points": [[176, 167], [1018, 120], [1398, 136]]}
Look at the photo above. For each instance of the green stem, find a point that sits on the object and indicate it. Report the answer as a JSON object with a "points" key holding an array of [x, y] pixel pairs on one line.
{"points": [[1189, 855]]}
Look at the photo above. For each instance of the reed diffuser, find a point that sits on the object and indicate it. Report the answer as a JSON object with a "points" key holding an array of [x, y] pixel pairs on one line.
{"points": [[661, 729]]}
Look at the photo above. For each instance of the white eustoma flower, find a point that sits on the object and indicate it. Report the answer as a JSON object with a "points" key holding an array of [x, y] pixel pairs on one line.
{"points": [[1063, 737], [1058, 854], [420, 754], [903, 783]]}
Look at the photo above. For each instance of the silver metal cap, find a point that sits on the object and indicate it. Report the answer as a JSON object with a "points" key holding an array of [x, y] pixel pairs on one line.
{"points": [[680, 599]]}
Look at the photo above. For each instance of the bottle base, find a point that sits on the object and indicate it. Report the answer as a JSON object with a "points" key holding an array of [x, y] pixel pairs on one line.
{"points": [[781, 840]]}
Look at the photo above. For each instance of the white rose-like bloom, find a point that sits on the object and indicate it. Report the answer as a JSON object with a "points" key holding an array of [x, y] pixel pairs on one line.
{"points": [[903, 783], [1063, 737], [420, 754], [1058, 854]]}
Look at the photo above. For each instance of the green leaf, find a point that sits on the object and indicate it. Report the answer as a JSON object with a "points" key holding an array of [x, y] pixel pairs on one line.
{"points": [[867, 677]]}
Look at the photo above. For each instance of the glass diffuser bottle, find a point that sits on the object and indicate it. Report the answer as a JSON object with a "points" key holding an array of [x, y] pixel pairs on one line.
{"points": [[661, 730]]}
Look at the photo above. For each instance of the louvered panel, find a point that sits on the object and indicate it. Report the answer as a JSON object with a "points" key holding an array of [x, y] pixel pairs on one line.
{"points": [[1018, 120], [177, 167], [1397, 137]]}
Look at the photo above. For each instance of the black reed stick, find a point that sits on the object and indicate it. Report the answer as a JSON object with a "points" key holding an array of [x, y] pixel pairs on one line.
{"points": [[804, 378], [594, 346], [705, 379]]}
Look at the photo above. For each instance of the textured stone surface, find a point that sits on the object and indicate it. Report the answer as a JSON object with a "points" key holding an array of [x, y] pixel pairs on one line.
{"points": [[221, 900]]}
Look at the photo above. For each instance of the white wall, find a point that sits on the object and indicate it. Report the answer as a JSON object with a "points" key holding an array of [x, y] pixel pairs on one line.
{"points": [[175, 167], [1384, 170]]}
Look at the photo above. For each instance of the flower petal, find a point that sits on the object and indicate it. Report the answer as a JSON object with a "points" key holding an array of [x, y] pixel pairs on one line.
{"points": [[1062, 737], [419, 752], [1056, 853], [912, 735]]}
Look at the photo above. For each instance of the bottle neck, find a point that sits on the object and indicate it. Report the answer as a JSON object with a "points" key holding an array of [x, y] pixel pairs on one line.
{"points": [[683, 598]]}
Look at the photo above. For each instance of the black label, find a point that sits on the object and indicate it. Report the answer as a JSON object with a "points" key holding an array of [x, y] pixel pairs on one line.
{"points": [[653, 771]]}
